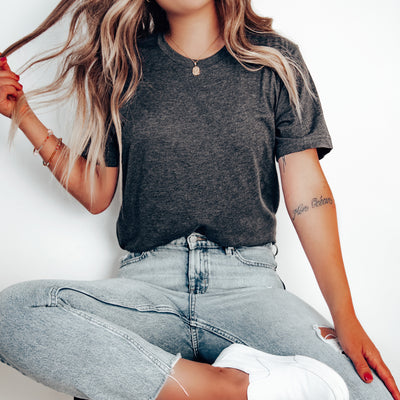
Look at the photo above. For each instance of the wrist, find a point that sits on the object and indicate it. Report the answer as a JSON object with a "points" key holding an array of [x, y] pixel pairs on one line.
{"points": [[344, 317], [340, 303], [26, 118]]}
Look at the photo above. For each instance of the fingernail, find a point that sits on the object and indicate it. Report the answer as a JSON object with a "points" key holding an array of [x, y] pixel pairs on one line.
{"points": [[17, 77], [368, 377], [2, 59]]}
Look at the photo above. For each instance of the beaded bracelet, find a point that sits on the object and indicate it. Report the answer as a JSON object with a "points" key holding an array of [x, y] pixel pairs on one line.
{"points": [[37, 149], [58, 146]]}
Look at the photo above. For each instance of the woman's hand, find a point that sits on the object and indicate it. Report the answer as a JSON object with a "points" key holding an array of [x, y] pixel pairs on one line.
{"points": [[316, 225], [363, 353], [10, 89]]}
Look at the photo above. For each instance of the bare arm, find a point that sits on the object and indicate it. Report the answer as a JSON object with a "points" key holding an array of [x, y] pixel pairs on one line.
{"points": [[310, 204], [78, 184]]}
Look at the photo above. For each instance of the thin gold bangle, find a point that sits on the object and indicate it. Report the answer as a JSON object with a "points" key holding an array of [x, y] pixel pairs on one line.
{"points": [[58, 146]]}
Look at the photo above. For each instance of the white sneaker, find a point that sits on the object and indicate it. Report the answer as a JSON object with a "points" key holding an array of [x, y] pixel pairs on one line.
{"points": [[274, 377]]}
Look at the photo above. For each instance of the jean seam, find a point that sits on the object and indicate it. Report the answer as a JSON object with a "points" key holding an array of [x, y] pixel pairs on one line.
{"points": [[5, 361], [192, 325], [253, 263], [158, 390], [218, 331], [91, 318], [53, 295], [141, 307], [133, 260]]}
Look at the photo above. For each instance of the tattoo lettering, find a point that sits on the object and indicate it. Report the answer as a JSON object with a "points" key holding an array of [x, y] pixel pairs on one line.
{"points": [[321, 201], [300, 210], [315, 202]]}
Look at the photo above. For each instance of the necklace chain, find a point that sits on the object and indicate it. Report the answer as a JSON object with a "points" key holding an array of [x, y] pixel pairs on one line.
{"points": [[196, 68]]}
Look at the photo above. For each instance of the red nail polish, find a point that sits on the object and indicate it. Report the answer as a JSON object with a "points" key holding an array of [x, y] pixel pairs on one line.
{"points": [[368, 377], [2, 59], [17, 77]]}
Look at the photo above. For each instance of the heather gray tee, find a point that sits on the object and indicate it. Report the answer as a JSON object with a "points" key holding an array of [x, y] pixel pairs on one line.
{"points": [[199, 151]]}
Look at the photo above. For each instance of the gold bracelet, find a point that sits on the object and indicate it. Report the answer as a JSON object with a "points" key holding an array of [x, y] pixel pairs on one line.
{"points": [[37, 149], [58, 146]]}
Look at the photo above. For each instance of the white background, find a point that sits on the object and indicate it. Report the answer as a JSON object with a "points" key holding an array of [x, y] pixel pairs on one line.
{"points": [[351, 49]]}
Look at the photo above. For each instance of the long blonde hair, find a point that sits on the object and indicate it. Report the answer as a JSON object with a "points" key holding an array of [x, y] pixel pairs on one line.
{"points": [[101, 52]]}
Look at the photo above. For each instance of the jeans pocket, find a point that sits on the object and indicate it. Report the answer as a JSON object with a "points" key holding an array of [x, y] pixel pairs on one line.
{"points": [[257, 256], [133, 257]]}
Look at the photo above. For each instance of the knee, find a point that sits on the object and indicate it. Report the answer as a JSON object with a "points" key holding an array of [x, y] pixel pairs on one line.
{"points": [[16, 305], [22, 295]]}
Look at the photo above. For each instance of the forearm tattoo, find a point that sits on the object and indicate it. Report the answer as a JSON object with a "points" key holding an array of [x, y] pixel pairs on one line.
{"points": [[315, 202], [300, 210]]}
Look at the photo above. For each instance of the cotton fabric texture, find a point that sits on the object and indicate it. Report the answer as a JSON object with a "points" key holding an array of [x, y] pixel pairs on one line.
{"points": [[198, 152]]}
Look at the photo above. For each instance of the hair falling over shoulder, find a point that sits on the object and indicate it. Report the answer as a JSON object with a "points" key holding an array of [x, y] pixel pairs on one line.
{"points": [[101, 53]]}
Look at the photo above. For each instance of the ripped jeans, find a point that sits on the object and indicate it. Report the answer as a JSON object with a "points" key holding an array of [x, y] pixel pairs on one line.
{"points": [[119, 338]]}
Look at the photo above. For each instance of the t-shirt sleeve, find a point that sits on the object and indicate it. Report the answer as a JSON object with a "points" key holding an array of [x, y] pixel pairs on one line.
{"points": [[291, 134], [111, 151]]}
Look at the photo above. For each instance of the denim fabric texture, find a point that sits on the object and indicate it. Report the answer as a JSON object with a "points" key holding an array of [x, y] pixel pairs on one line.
{"points": [[119, 338]]}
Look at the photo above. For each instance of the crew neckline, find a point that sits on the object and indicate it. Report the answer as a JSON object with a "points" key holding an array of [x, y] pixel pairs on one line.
{"points": [[204, 62]]}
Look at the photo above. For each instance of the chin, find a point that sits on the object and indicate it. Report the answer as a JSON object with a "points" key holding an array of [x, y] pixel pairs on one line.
{"points": [[184, 6]]}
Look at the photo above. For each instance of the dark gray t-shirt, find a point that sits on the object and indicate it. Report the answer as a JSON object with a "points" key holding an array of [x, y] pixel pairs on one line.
{"points": [[199, 151]]}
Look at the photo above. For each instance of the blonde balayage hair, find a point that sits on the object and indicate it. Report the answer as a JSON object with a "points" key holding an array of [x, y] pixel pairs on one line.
{"points": [[100, 67]]}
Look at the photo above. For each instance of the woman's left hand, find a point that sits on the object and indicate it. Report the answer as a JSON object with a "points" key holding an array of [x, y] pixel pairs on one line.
{"points": [[302, 178], [363, 353]]}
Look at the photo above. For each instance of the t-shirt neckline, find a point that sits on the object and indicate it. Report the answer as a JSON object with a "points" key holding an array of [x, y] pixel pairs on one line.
{"points": [[170, 52]]}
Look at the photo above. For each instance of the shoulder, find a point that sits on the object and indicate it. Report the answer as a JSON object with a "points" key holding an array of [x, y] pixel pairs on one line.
{"points": [[273, 39], [147, 48], [147, 44], [148, 41]]}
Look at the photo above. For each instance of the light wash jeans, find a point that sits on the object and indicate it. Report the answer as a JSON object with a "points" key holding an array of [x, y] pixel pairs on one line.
{"points": [[119, 338]]}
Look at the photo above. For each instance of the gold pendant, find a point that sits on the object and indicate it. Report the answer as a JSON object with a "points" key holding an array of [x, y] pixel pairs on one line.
{"points": [[196, 70]]}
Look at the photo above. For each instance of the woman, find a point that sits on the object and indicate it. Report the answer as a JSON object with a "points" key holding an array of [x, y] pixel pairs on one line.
{"points": [[198, 124]]}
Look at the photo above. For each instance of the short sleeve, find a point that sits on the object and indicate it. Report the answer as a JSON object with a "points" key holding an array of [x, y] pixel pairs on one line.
{"points": [[291, 134], [111, 151]]}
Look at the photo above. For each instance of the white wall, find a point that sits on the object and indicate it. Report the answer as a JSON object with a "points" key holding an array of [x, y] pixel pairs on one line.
{"points": [[351, 49]]}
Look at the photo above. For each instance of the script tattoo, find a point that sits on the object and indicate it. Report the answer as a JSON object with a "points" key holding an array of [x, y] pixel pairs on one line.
{"points": [[315, 202], [321, 201], [300, 210]]}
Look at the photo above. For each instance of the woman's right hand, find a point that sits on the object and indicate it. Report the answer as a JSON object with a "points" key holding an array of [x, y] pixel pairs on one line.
{"points": [[10, 88]]}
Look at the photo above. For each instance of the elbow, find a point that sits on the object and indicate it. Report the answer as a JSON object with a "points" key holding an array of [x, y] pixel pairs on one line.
{"points": [[97, 208], [100, 200], [95, 211]]}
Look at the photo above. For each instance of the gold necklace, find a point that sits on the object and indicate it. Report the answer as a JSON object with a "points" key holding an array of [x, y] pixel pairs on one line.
{"points": [[196, 69]]}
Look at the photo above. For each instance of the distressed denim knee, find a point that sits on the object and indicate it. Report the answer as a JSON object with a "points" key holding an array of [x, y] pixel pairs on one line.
{"points": [[57, 345], [16, 302]]}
